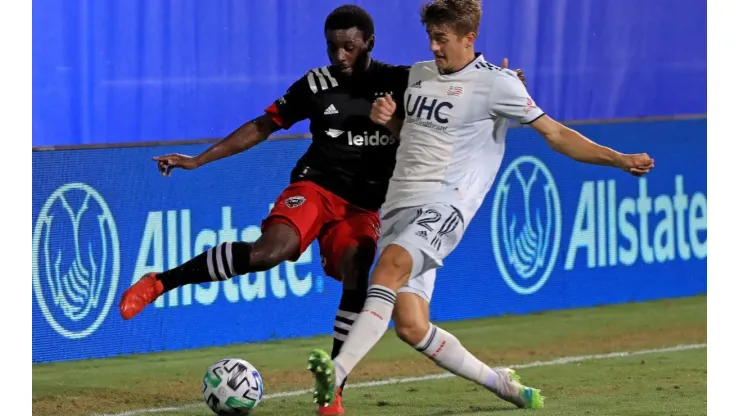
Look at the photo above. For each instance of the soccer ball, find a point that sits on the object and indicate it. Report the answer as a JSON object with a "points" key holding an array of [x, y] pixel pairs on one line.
{"points": [[232, 386]]}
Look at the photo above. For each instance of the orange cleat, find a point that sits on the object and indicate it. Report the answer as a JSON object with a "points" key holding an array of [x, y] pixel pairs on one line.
{"points": [[142, 293], [335, 408]]}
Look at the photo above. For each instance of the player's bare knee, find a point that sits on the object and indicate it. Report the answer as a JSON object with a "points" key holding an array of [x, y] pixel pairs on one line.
{"points": [[265, 258], [277, 244], [394, 267]]}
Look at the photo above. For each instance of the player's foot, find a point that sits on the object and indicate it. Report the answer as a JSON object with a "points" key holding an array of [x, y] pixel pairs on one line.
{"points": [[515, 392], [335, 408], [142, 293], [322, 367]]}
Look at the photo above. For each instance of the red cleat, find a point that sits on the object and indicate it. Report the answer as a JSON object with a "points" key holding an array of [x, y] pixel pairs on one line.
{"points": [[142, 293], [335, 408]]}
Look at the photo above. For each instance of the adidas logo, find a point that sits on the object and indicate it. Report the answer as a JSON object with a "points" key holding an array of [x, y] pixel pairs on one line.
{"points": [[422, 234], [330, 110], [416, 84]]}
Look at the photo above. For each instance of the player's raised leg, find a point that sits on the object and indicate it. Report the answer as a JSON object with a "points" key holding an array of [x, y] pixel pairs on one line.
{"points": [[411, 319], [293, 223]]}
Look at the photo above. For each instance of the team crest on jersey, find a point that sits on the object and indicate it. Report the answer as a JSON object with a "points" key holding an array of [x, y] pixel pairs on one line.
{"points": [[455, 91], [295, 201]]}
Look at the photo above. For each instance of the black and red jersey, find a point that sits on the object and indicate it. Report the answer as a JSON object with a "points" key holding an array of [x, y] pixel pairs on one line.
{"points": [[350, 155]]}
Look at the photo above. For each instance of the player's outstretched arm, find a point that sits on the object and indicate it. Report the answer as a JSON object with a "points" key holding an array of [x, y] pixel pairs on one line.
{"points": [[283, 113], [241, 139], [574, 145], [245, 137]]}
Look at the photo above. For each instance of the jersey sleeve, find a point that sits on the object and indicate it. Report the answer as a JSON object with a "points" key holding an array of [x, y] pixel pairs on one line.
{"points": [[293, 106], [401, 82], [510, 99]]}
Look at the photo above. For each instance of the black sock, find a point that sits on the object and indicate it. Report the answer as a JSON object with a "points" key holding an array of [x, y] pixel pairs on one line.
{"points": [[349, 307], [222, 262]]}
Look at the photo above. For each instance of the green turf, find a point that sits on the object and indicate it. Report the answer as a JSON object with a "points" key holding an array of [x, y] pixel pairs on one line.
{"points": [[173, 379], [671, 383]]}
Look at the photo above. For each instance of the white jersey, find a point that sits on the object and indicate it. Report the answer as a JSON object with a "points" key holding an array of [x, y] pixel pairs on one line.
{"points": [[452, 140]]}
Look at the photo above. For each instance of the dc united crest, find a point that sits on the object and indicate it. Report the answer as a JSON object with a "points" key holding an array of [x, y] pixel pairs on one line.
{"points": [[76, 260], [295, 201], [526, 224]]}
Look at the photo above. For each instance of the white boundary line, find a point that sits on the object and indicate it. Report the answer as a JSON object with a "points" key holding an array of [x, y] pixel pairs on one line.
{"points": [[558, 361]]}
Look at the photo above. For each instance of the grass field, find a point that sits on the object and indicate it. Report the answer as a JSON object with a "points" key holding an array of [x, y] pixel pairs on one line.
{"points": [[656, 383]]}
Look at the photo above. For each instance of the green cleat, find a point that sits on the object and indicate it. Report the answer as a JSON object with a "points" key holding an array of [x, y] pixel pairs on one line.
{"points": [[515, 392], [322, 367], [533, 399]]}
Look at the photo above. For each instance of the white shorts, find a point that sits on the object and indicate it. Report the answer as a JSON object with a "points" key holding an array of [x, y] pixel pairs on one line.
{"points": [[429, 233]]}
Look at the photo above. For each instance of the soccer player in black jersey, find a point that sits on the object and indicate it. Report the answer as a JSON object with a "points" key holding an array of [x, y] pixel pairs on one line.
{"points": [[336, 188]]}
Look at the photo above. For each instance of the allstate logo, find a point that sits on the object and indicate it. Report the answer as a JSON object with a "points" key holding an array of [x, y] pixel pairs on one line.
{"points": [[526, 224], [76, 260]]}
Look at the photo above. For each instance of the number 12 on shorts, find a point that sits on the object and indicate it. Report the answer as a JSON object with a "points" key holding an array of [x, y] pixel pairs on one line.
{"points": [[430, 222]]}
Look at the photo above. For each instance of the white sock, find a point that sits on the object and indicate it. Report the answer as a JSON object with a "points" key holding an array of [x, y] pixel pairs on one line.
{"points": [[447, 352], [367, 330]]}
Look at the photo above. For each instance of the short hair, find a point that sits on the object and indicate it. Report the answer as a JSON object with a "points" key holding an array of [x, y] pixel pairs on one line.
{"points": [[349, 16], [462, 16]]}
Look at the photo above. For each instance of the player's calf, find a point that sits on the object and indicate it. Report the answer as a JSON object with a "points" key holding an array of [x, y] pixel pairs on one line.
{"points": [[353, 270], [447, 352], [411, 319], [349, 307], [277, 244]]}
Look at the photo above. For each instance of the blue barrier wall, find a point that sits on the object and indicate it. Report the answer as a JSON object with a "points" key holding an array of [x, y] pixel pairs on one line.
{"points": [[102, 218], [146, 70]]}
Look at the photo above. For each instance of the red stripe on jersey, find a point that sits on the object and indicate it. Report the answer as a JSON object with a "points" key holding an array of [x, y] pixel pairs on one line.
{"points": [[274, 114]]}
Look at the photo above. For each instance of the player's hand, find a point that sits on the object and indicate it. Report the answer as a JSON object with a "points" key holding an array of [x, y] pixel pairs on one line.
{"points": [[519, 72], [166, 163], [637, 164], [383, 110]]}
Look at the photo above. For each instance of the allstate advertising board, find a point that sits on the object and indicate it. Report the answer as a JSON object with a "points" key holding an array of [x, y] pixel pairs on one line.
{"points": [[552, 234]]}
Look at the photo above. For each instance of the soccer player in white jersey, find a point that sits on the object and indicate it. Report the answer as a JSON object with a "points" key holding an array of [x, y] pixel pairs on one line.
{"points": [[452, 140]]}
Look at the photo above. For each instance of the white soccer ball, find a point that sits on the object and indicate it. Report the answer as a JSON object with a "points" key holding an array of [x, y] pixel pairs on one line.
{"points": [[232, 386]]}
